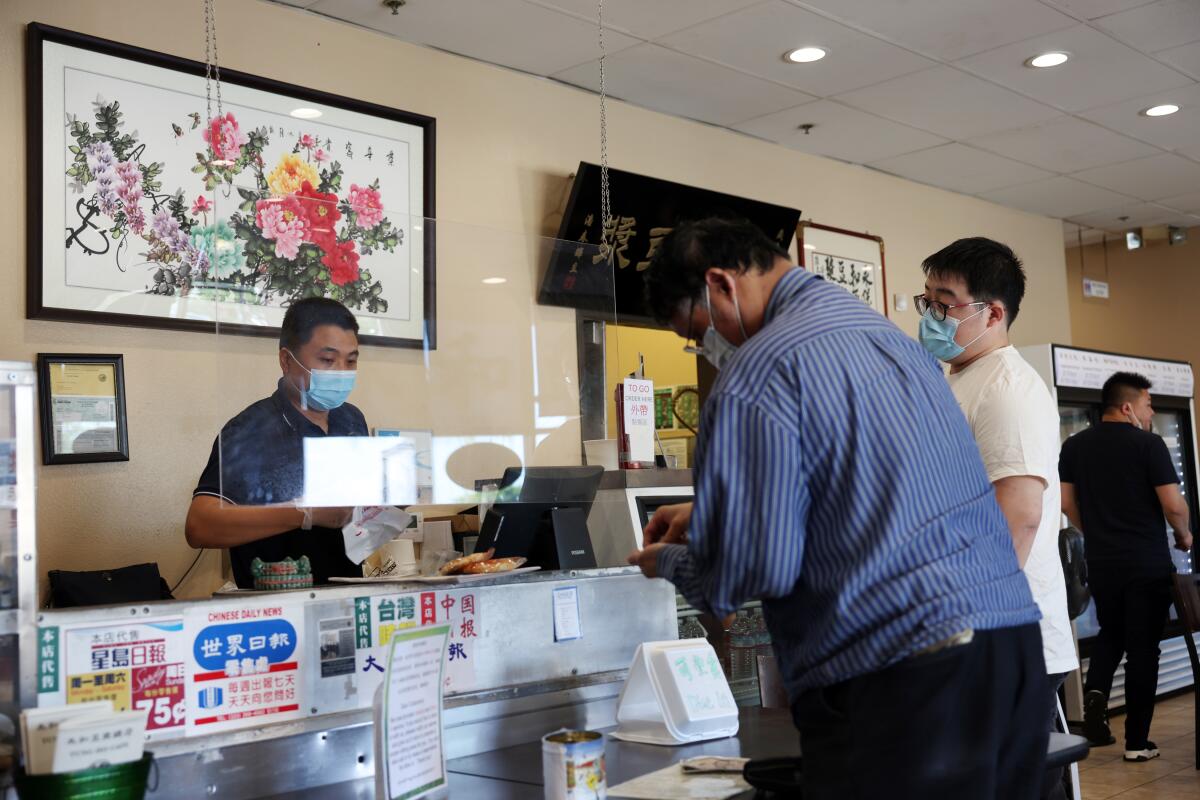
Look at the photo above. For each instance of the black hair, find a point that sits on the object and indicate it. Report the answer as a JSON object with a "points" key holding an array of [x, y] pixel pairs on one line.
{"points": [[990, 269], [1122, 388], [677, 270], [303, 316]]}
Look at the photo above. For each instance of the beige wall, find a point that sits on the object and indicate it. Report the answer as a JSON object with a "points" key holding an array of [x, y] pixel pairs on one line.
{"points": [[1151, 308], [506, 143]]}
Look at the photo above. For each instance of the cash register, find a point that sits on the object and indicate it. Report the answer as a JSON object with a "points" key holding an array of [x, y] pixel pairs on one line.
{"points": [[547, 523]]}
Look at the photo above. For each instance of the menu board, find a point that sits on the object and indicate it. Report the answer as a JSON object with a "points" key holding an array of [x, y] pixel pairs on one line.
{"points": [[1085, 369]]}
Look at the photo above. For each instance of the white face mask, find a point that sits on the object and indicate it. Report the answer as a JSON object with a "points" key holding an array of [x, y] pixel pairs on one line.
{"points": [[715, 347], [1137, 423]]}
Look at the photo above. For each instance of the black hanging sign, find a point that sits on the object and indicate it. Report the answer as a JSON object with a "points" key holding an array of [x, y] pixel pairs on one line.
{"points": [[644, 210]]}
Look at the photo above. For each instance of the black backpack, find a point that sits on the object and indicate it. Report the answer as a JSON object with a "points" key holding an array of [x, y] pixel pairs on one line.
{"points": [[1070, 550]]}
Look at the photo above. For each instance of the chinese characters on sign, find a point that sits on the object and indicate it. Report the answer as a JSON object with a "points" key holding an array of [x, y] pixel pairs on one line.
{"points": [[381, 618], [638, 412], [245, 668], [856, 277], [135, 665]]}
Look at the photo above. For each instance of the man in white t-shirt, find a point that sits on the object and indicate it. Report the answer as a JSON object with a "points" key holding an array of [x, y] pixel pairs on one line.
{"points": [[973, 291]]}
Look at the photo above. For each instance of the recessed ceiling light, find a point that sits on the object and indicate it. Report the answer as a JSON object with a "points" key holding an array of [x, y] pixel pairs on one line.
{"points": [[1052, 59], [495, 281], [306, 113], [805, 55], [1161, 111]]}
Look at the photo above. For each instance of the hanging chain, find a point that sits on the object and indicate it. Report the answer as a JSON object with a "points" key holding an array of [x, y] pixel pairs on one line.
{"points": [[605, 199], [212, 64]]}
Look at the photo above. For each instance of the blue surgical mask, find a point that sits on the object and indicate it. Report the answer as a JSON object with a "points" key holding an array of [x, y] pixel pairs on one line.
{"points": [[327, 388], [715, 347], [937, 336]]}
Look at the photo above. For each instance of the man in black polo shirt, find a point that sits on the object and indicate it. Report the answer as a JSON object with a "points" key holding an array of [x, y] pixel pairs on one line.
{"points": [[1117, 484], [247, 497]]}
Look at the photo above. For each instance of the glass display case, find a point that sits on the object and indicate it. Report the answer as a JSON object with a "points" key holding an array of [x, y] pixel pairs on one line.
{"points": [[17, 563]]}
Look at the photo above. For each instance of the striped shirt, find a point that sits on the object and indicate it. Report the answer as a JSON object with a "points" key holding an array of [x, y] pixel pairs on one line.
{"points": [[837, 480]]}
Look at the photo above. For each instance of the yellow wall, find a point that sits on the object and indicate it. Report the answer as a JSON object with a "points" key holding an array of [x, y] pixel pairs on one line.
{"points": [[506, 144], [1151, 309], [666, 363]]}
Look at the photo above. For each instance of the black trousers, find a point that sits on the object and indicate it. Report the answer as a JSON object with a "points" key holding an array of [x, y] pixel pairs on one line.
{"points": [[1132, 612], [968, 723]]}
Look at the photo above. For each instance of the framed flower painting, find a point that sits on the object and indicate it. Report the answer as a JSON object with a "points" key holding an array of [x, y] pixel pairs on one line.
{"points": [[156, 198]]}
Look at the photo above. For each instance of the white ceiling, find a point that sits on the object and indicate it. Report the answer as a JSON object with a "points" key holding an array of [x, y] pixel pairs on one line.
{"points": [[935, 91]]}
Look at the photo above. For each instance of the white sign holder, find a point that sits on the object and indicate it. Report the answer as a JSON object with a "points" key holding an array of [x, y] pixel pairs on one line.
{"points": [[676, 693]]}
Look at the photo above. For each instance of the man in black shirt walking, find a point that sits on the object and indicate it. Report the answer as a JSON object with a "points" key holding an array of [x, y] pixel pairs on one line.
{"points": [[1117, 484]]}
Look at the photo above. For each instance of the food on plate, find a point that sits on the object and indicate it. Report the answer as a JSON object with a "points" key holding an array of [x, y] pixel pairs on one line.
{"points": [[493, 565], [458, 565]]}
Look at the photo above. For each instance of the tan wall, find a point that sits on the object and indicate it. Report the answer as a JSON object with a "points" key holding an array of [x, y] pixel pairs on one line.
{"points": [[506, 143], [1151, 309]]}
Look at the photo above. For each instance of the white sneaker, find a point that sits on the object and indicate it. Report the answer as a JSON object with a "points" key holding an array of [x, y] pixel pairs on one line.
{"points": [[1150, 752]]}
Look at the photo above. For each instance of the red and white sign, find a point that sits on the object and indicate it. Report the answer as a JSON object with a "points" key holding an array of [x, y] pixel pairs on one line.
{"points": [[638, 415]]}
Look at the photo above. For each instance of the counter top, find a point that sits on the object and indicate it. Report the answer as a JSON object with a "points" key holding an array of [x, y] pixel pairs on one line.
{"points": [[515, 773], [645, 478]]}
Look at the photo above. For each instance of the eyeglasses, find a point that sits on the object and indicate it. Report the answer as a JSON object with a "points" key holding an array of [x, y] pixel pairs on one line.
{"points": [[937, 309]]}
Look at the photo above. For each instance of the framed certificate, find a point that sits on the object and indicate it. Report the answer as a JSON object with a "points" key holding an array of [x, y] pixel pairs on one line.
{"points": [[82, 401]]}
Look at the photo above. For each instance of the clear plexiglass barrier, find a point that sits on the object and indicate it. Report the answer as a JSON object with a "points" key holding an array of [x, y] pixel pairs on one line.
{"points": [[457, 402]]}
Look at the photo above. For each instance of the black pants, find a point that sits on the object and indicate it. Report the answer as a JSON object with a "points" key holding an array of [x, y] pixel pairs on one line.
{"points": [[1132, 612], [1054, 787], [968, 723]]}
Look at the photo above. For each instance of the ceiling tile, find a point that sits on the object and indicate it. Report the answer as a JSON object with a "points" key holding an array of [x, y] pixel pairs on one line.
{"points": [[946, 29], [1101, 70], [1157, 26], [1177, 131], [662, 79], [839, 132], [512, 33], [1135, 216], [1187, 203], [1153, 178], [855, 59], [648, 20], [1091, 9], [1066, 144], [1185, 57], [950, 103], [960, 168], [1057, 197]]}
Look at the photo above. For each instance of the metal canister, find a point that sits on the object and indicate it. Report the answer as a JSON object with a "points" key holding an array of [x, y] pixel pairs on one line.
{"points": [[573, 765]]}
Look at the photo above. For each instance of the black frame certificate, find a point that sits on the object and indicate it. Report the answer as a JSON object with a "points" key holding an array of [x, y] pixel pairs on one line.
{"points": [[82, 398]]}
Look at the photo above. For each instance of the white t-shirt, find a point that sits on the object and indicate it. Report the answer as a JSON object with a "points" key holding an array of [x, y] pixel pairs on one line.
{"points": [[1015, 424]]}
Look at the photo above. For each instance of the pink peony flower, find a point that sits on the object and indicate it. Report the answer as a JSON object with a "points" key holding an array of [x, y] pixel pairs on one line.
{"points": [[307, 142], [225, 138], [201, 206], [366, 205], [320, 156], [283, 220]]}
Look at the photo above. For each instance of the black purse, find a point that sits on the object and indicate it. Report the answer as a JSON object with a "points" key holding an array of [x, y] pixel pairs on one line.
{"points": [[138, 583], [1070, 550]]}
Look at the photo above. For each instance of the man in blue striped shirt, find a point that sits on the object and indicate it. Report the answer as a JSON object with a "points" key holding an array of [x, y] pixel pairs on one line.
{"points": [[837, 480]]}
